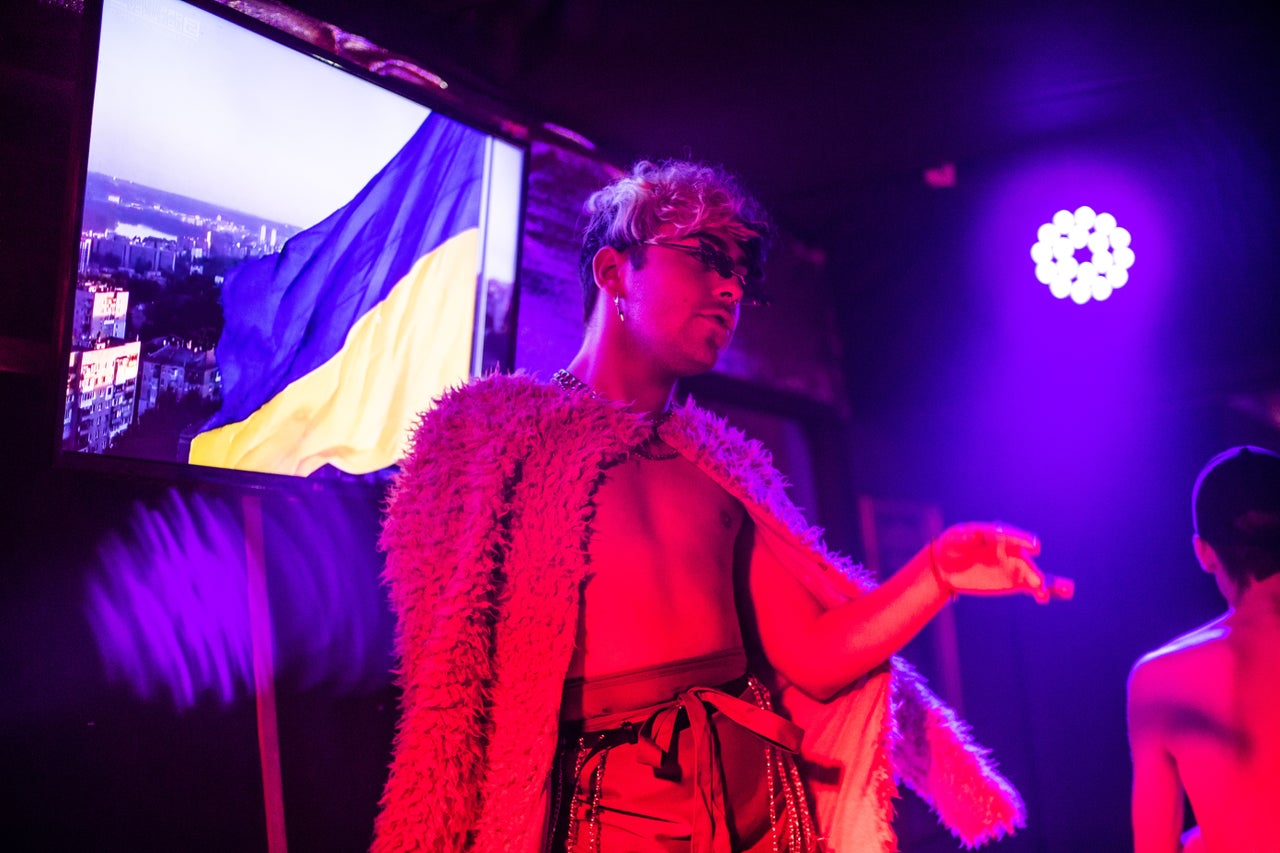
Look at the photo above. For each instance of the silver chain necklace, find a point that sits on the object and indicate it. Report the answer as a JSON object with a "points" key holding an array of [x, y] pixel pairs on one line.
{"points": [[645, 449]]}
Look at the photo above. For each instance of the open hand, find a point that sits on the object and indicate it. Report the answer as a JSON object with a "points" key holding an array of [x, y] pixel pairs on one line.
{"points": [[993, 559]]}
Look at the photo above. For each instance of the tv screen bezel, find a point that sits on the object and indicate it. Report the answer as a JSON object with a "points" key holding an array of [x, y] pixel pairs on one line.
{"points": [[447, 102]]}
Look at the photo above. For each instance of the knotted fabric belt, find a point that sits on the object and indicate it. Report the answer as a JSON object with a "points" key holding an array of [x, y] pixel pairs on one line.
{"points": [[655, 729]]}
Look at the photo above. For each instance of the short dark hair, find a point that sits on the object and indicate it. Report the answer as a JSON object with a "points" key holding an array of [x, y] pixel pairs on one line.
{"points": [[692, 197], [1235, 506]]}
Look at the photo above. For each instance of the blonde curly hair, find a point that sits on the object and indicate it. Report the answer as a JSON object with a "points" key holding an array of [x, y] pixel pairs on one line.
{"points": [[692, 197]]}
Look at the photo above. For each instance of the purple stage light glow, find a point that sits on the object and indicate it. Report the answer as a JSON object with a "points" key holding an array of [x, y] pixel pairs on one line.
{"points": [[1083, 375], [169, 604], [1110, 255], [169, 610]]}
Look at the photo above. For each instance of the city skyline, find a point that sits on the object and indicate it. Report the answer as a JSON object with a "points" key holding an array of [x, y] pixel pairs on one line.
{"points": [[98, 209]]}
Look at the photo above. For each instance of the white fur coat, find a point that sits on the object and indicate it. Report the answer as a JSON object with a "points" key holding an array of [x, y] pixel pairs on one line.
{"points": [[486, 538]]}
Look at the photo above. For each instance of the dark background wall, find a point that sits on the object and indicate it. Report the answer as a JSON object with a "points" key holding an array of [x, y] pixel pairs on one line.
{"points": [[914, 362], [1086, 424]]}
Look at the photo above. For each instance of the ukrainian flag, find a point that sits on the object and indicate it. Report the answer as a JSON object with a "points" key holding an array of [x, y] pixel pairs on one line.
{"points": [[331, 348]]}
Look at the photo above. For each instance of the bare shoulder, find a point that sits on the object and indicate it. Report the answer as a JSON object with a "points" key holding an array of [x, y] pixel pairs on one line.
{"points": [[1182, 661]]}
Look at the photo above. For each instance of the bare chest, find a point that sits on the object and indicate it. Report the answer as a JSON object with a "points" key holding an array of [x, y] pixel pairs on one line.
{"points": [[668, 508], [660, 586]]}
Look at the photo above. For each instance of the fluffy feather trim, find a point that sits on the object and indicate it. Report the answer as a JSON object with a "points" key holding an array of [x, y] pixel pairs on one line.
{"points": [[486, 534]]}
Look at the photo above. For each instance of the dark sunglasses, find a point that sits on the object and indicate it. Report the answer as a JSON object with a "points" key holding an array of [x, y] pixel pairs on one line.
{"points": [[717, 260]]}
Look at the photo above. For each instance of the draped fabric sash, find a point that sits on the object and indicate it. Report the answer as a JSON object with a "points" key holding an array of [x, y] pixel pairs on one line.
{"points": [[655, 726]]}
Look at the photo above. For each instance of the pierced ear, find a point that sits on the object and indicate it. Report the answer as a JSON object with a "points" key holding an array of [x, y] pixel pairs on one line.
{"points": [[606, 266]]}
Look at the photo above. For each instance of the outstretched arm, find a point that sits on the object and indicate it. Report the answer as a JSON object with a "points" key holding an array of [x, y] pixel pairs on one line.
{"points": [[823, 650]]}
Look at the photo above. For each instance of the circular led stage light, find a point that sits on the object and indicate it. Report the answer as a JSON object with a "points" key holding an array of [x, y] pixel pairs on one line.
{"points": [[1105, 255]]}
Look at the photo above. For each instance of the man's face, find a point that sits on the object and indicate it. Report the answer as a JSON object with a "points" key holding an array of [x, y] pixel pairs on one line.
{"points": [[680, 309]]}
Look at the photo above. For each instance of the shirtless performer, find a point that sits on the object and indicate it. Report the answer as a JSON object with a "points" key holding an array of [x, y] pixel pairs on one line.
{"points": [[580, 568], [1204, 710]]}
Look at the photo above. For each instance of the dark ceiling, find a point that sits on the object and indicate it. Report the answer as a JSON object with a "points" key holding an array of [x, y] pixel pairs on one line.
{"points": [[814, 102]]}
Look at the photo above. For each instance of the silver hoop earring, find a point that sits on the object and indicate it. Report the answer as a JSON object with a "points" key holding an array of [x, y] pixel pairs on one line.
{"points": [[617, 303]]}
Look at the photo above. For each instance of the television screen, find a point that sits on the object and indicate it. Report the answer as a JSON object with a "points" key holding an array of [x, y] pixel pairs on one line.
{"points": [[282, 258]]}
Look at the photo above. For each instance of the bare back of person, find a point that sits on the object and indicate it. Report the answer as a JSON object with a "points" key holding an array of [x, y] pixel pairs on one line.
{"points": [[1212, 698], [661, 587]]}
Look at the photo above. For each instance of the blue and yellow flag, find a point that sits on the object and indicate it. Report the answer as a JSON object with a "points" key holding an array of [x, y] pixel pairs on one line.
{"points": [[331, 348]]}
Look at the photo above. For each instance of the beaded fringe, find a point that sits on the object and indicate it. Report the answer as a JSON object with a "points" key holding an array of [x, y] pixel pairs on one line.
{"points": [[791, 826], [790, 822]]}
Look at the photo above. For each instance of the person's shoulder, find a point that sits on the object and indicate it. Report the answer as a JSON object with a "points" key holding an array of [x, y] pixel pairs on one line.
{"points": [[1183, 655], [474, 412], [490, 400], [721, 439], [493, 387]]}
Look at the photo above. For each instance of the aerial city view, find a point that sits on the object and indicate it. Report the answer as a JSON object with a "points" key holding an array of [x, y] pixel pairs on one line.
{"points": [[142, 375]]}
